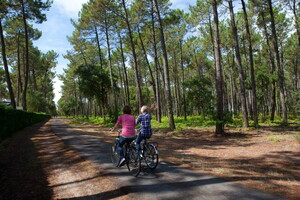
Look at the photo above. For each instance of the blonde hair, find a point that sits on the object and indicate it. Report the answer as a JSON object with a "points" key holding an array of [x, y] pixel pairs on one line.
{"points": [[144, 109]]}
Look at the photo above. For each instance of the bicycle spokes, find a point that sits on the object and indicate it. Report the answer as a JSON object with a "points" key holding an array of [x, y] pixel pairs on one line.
{"points": [[133, 162], [114, 153], [151, 156]]}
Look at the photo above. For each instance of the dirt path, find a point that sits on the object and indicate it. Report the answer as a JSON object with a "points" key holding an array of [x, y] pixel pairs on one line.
{"points": [[267, 159], [58, 161], [69, 174], [21, 173], [166, 182]]}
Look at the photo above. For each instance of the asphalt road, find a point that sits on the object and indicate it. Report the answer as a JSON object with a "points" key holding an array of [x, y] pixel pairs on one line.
{"points": [[165, 182]]}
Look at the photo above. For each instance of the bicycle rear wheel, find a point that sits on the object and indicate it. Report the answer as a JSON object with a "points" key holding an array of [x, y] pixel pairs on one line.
{"points": [[114, 154], [151, 156], [133, 162]]}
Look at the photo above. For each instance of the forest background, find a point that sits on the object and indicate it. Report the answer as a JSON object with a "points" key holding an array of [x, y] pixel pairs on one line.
{"points": [[223, 62]]}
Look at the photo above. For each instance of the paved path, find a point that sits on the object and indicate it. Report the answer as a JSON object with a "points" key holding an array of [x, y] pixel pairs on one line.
{"points": [[165, 182]]}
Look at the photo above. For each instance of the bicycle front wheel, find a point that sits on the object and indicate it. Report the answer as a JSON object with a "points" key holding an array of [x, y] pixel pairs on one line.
{"points": [[151, 156], [133, 162], [114, 154]]}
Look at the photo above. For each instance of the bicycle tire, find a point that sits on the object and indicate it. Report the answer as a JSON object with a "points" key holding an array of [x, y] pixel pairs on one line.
{"points": [[133, 161], [114, 154], [151, 156]]}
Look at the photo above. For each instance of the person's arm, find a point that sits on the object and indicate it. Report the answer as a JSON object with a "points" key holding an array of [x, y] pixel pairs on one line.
{"points": [[138, 120], [119, 121]]}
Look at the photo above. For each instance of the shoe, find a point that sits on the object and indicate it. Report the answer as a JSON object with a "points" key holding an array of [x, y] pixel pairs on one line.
{"points": [[141, 155], [121, 162]]}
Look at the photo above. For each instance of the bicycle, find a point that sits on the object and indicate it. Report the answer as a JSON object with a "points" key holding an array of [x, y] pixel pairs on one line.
{"points": [[150, 153], [132, 160]]}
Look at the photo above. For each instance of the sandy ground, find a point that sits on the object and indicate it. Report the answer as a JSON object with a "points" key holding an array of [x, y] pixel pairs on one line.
{"points": [[37, 164]]}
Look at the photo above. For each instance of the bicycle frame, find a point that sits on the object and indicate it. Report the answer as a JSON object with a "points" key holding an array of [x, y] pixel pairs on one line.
{"points": [[132, 159]]}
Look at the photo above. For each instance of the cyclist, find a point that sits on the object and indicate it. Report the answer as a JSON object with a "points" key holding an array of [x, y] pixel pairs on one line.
{"points": [[128, 131], [146, 132]]}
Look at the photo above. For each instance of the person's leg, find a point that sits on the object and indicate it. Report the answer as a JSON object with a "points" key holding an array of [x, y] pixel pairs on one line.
{"points": [[143, 140], [138, 141], [122, 141]]}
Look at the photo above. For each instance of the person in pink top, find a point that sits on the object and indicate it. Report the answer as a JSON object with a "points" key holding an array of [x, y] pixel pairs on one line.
{"points": [[128, 131]]}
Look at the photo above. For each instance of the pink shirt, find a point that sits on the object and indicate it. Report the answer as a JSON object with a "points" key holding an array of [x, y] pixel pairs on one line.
{"points": [[128, 125]]}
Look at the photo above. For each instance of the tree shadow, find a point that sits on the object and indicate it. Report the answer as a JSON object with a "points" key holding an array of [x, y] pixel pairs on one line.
{"points": [[271, 170], [152, 188], [22, 176]]}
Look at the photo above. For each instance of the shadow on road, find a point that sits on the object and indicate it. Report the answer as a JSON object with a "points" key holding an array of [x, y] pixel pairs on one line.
{"points": [[21, 173]]}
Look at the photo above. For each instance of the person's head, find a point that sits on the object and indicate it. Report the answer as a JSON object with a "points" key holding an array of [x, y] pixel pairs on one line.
{"points": [[127, 110], [144, 109]]}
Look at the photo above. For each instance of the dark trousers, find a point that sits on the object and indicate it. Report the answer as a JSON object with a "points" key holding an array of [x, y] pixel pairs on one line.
{"points": [[138, 140], [122, 141]]}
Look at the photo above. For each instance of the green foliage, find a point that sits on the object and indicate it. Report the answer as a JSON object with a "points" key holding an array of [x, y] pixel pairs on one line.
{"points": [[67, 105], [93, 82], [181, 124], [191, 122], [97, 120], [274, 138], [199, 94], [3, 87], [12, 120], [35, 101], [189, 41]]}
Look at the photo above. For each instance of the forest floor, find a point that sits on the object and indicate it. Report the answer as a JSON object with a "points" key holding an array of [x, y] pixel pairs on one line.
{"points": [[267, 159]]}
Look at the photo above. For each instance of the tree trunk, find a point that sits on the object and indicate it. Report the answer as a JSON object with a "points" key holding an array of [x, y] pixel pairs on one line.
{"points": [[123, 84], [24, 100], [183, 79], [7, 75], [232, 94], [35, 87], [124, 71], [218, 72], [272, 63], [279, 67], [253, 83], [225, 94], [176, 85], [76, 98], [166, 68], [110, 68], [158, 98], [148, 64], [99, 47], [20, 85], [296, 81], [198, 66], [136, 70], [239, 65], [294, 8]]}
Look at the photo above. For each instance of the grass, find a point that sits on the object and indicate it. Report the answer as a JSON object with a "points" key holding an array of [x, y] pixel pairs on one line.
{"points": [[277, 121], [274, 138], [297, 137], [180, 123], [95, 120], [193, 122]]}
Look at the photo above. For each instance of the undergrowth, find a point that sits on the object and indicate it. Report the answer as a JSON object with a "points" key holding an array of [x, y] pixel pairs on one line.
{"points": [[190, 122]]}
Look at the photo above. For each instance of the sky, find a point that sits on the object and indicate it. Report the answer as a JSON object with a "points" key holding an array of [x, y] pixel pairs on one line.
{"points": [[57, 27]]}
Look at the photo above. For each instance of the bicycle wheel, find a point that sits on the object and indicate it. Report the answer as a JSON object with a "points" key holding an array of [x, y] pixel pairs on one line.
{"points": [[133, 161], [114, 154], [151, 156]]}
